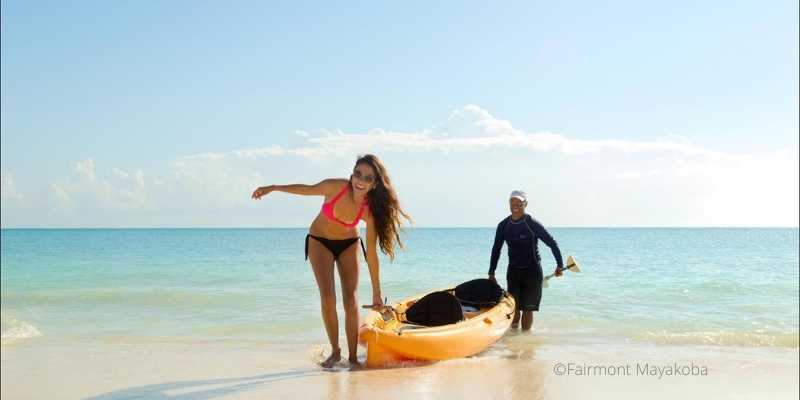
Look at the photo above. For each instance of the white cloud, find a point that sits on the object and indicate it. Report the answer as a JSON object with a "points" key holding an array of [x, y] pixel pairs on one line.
{"points": [[636, 175], [469, 129], [668, 181], [669, 174], [85, 169], [8, 190], [62, 197], [121, 190], [119, 173]]}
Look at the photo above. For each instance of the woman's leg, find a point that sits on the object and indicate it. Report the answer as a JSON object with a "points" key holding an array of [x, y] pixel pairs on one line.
{"points": [[322, 263], [348, 275]]}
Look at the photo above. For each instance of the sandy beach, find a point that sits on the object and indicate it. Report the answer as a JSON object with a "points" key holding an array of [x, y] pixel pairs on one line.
{"points": [[520, 366]]}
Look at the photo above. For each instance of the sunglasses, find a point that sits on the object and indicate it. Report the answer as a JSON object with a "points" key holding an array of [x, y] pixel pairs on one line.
{"points": [[365, 178]]}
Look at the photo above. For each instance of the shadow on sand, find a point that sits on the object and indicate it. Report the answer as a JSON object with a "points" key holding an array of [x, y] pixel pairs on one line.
{"points": [[208, 388], [202, 389]]}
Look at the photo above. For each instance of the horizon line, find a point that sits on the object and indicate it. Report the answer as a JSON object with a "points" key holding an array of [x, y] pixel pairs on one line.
{"points": [[415, 227]]}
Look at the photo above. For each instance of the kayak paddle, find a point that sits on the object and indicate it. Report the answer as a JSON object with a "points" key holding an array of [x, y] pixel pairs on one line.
{"points": [[571, 266]]}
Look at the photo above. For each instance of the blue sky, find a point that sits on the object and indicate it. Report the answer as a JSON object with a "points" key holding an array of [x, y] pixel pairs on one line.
{"points": [[617, 114]]}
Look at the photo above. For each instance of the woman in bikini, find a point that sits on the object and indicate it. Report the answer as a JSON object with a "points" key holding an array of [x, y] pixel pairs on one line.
{"points": [[369, 196]]}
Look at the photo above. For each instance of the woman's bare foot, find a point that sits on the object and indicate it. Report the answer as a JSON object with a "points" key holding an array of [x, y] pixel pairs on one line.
{"points": [[354, 363], [333, 359]]}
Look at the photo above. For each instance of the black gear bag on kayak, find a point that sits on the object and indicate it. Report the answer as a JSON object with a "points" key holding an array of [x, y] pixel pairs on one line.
{"points": [[479, 293], [435, 309]]}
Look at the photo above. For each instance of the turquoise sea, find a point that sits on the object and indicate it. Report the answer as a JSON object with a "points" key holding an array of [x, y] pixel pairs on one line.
{"points": [[720, 287]]}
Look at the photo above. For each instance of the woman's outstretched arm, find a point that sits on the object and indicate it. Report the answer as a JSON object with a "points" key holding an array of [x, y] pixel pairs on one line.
{"points": [[320, 189]]}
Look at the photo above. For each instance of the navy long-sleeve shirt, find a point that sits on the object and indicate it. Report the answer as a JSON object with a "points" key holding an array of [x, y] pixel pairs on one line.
{"points": [[523, 238]]}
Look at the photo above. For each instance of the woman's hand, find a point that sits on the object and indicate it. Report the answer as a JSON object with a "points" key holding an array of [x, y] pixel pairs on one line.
{"points": [[262, 191], [558, 271], [377, 302]]}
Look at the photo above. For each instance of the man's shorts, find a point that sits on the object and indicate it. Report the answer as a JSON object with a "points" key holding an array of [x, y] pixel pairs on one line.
{"points": [[525, 284]]}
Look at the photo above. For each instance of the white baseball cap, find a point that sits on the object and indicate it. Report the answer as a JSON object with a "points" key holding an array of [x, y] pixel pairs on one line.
{"points": [[518, 194]]}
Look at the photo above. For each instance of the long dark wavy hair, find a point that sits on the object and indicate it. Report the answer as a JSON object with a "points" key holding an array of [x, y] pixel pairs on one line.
{"points": [[384, 206]]}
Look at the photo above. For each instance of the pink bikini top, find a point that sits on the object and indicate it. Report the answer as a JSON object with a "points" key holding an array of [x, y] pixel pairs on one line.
{"points": [[327, 208]]}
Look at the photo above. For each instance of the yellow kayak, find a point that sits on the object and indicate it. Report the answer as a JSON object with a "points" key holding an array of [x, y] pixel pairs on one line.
{"points": [[390, 338]]}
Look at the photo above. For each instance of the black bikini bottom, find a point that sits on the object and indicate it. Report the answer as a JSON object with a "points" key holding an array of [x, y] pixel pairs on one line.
{"points": [[336, 247]]}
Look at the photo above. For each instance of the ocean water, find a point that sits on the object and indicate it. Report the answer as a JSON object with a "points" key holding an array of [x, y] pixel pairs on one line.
{"points": [[686, 287]]}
